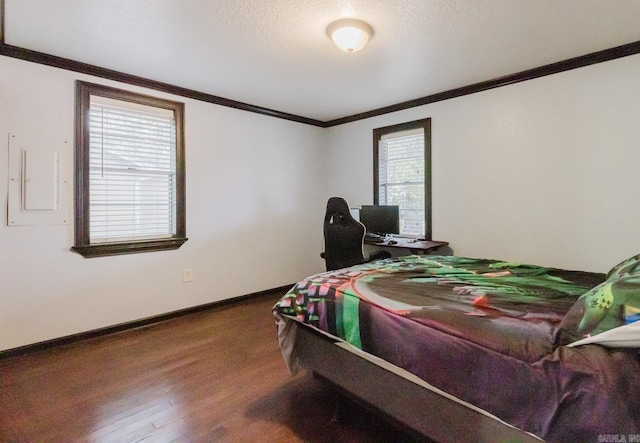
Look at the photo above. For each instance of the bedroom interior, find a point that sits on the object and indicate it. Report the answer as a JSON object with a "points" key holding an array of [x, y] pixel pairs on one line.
{"points": [[534, 158]]}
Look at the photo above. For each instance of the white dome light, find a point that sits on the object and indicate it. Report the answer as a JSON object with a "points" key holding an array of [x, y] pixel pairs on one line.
{"points": [[349, 34]]}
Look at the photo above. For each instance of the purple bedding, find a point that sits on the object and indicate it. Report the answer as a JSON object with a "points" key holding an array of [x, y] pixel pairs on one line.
{"points": [[486, 332]]}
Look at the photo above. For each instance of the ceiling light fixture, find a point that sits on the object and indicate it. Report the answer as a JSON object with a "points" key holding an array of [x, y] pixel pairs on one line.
{"points": [[350, 34]]}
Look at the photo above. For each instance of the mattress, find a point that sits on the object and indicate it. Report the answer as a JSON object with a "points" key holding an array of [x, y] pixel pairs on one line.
{"points": [[488, 332]]}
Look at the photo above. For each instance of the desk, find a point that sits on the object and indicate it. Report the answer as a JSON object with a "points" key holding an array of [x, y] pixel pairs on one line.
{"points": [[414, 246]]}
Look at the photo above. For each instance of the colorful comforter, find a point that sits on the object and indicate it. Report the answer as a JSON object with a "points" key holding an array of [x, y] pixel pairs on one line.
{"points": [[484, 331]]}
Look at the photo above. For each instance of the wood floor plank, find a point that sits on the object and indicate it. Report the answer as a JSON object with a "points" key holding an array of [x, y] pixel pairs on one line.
{"points": [[210, 376]]}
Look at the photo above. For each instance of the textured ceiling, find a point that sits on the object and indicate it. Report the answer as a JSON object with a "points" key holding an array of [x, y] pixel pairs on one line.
{"points": [[275, 53]]}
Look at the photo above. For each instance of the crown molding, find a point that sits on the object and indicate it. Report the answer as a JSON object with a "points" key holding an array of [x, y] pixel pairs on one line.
{"points": [[530, 74], [109, 74]]}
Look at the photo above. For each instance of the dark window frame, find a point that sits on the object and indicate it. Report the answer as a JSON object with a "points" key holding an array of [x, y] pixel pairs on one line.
{"points": [[83, 246], [378, 133]]}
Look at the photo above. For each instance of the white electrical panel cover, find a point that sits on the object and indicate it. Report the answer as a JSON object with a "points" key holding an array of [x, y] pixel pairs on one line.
{"points": [[41, 179], [38, 187]]}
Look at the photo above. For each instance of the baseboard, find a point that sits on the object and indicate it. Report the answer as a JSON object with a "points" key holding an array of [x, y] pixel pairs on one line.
{"points": [[109, 330]]}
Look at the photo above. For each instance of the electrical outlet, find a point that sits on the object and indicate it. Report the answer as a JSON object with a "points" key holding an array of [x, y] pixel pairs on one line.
{"points": [[187, 275]]}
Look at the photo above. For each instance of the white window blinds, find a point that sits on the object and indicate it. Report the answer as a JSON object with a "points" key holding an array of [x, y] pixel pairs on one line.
{"points": [[132, 171], [401, 166]]}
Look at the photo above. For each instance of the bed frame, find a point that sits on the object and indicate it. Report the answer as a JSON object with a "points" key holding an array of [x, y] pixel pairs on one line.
{"points": [[423, 411]]}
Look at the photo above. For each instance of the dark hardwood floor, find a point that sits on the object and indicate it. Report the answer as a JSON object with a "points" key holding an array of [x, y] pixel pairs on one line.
{"points": [[210, 376]]}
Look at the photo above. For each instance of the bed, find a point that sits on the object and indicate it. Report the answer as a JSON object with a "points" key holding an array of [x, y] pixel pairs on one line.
{"points": [[457, 348]]}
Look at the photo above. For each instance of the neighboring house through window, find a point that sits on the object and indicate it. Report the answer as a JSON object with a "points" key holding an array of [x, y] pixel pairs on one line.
{"points": [[130, 178], [402, 173]]}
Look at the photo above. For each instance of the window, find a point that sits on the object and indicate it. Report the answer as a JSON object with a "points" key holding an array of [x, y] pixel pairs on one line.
{"points": [[402, 173], [129, 162]]}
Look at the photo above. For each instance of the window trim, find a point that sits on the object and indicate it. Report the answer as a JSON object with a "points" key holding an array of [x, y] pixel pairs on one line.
{"points": [[378, 133], [83, 246]]}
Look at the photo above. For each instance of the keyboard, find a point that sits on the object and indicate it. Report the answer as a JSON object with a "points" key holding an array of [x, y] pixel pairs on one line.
{"points": [[374, 238]]}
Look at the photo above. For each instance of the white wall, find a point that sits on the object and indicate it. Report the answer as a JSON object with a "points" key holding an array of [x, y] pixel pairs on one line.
{"points": [[252, 195], [545, 171]]}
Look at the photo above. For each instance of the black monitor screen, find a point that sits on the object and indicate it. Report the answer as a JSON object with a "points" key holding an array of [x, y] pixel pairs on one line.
{"points": [[381, 219]]}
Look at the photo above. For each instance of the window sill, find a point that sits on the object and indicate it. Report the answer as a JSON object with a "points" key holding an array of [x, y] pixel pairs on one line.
{"points": [[133, 247]]}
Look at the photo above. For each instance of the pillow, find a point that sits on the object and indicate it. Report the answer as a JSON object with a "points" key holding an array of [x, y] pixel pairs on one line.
{"points": [[616, 302], [628, 266]]}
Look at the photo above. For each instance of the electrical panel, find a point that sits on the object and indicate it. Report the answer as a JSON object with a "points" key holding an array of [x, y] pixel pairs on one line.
{"points": [[38, 188]]}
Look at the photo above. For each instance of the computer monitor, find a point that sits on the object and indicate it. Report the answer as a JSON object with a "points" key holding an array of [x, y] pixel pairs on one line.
{"points": [[380, 219]]}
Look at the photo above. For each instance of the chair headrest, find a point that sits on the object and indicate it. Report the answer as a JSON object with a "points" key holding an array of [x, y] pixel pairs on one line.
{"points": [[337, 210]]}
